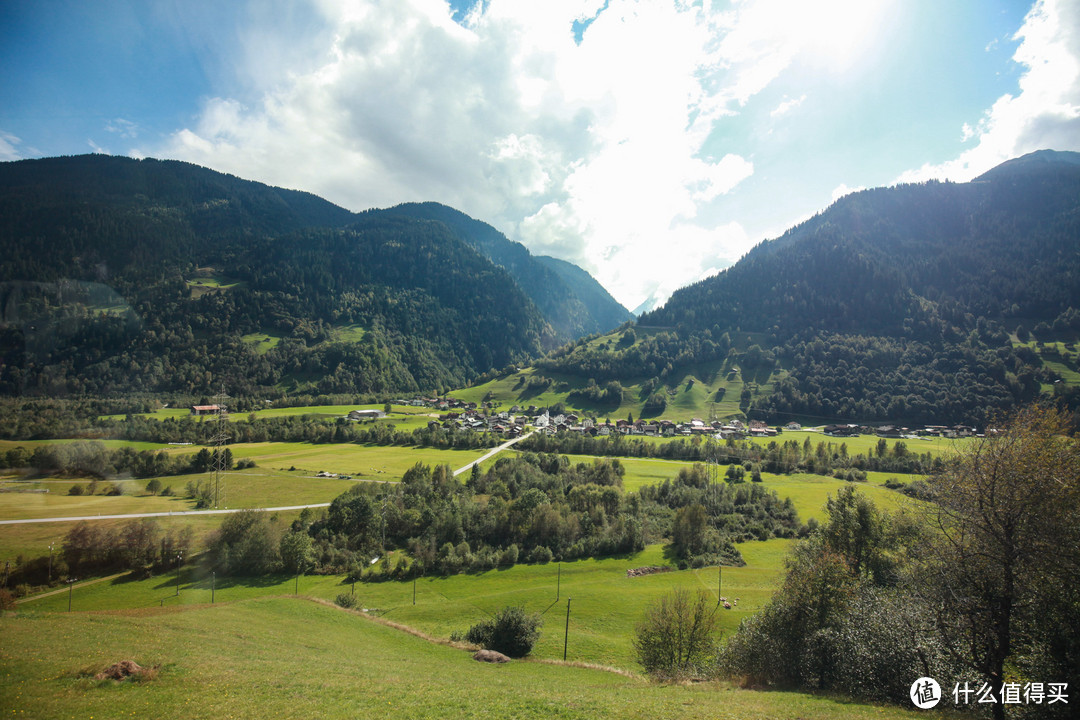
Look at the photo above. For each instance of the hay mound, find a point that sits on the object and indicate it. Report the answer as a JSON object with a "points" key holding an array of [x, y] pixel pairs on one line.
{"points": [[638, 572], [490, 656], [121, 670]]}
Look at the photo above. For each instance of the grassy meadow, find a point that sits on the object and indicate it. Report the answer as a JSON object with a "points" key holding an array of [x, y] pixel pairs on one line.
{"points": [[257, 651], [285, 657]]}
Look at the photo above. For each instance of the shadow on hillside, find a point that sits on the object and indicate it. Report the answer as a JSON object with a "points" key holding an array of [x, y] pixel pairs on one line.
{"points": [[200, 579]]}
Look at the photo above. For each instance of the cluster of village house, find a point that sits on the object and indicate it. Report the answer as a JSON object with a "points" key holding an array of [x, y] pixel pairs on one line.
{"points": [[512, 423], [469, 416]]}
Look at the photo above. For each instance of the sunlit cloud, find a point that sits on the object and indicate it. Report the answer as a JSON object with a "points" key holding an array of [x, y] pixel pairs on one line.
{"points": [[842, 190], [787, 106], [591, 130], [588, 148]]}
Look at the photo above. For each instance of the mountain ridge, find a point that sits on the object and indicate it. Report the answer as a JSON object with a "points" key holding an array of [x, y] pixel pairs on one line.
{"points": [[214, 280]]}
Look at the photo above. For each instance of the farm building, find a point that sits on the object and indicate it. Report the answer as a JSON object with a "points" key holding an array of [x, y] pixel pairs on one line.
{"points": [[366, 414]]}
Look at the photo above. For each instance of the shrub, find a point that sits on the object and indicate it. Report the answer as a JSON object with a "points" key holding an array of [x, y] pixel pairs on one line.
{"points": [[509, 555], [512, 632], [540, 554], [75, 490], [7, 600], [345, 600], [677, 637]]}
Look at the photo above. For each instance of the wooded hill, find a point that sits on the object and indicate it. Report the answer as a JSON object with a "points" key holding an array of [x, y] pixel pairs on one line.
{"points": [[934, 302], [121, 275]]}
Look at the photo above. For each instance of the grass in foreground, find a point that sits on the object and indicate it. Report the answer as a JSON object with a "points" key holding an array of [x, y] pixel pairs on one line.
{"points": [[605, 603], [292, 658]]}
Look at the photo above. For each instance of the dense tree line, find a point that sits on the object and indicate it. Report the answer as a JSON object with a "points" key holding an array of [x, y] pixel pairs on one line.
{"points": [[532, 508], [88, 549], [776, 456], [41, 420], [91, 458], [870, 378], [975, 588]]}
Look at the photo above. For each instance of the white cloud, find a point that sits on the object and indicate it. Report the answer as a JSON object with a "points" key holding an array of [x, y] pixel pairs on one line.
{"points": [[787, 106], [842, 189], [124, 128], [593, 151], [8, 149], [1045, 114]]}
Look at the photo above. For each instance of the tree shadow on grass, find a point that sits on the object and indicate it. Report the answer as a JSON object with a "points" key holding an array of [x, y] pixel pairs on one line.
{"points": [[200, 579]]}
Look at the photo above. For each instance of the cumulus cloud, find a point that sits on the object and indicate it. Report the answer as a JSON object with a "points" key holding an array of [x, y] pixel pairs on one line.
{"points": [[1045, 114], [579, 127]]}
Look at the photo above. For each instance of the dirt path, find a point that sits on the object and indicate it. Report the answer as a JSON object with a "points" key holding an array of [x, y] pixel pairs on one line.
{"points": [[65, 589]]}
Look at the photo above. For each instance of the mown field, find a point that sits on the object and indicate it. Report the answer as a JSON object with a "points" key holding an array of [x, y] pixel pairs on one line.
{"points": [[281, 657], [605, 603], [402, 417], [256, 652]]}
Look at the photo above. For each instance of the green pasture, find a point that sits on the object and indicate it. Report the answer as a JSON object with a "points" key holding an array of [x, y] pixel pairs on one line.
{"points": [[284, 657], [262, 342], [348, 333], [862, 444], [371, 462], [639, 471], [251, 488], [605, 603], [708, 390], [6, 445], [32, 540], [401, 415], [212, 283], [808, 492]]}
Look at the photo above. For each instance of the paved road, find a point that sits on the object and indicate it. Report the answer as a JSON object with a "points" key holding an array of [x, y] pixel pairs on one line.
{"points": [[226, 511], [181, 513], [494, 452]]}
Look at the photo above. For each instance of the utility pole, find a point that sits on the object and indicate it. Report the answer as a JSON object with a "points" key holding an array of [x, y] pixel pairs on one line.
{"points": [[179, 558], [566, 633], [719, 583], [50, 562], [220, 439], [558, 584], [71, 584], [213, 586]]}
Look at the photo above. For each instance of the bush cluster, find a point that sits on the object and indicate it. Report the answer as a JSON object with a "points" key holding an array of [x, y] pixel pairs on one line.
{"points": [[512, 631]]}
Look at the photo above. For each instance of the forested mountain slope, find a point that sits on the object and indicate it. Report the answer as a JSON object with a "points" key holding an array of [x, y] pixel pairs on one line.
{"points": [[910, 303], [569, 298], [122, 275]]}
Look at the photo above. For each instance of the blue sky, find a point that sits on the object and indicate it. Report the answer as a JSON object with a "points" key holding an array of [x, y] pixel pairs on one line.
{"points": [[651, 142]]}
